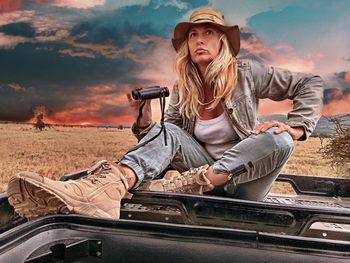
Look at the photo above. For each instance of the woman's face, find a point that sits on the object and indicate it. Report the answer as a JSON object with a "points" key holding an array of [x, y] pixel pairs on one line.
{"points": [[204, 44]]}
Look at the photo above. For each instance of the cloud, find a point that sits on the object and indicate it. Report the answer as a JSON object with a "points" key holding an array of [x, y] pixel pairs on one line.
{"points": [[337, 86], [239, 12], [9, 5], [16, 17], [339, 105], [281, 55], [63, 60], [158, 62], [298, 24], [83, 4], [9, 42], [90, 4], [347, 77], [74, 53], [267, 107], [79, 4], [100, 104], [22, 29], [30, 26], [16, 87], [13, 86], [49, 28], [337, 93], [91, 50], [173, 3], [78, 58], [54, 79]]}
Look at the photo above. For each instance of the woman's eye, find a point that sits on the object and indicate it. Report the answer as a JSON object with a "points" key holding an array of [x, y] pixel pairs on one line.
{"points": [[209, 32], [192, 34]]}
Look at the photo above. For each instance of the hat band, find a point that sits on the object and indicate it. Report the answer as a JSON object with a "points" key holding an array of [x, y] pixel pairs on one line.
{"points": [[207, 18]]}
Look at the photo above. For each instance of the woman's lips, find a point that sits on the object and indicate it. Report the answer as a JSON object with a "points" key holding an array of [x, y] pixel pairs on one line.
{"points": [[200, 51]]}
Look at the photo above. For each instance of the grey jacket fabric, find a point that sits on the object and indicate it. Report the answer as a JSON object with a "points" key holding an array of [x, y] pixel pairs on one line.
{"points": [[257, 81]]}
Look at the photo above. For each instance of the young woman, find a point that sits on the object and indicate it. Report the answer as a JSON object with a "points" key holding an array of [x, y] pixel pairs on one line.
{"points": [[214, 140]]}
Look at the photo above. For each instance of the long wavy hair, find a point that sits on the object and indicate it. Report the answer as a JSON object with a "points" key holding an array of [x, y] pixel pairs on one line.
{"points": [[220, 74]]}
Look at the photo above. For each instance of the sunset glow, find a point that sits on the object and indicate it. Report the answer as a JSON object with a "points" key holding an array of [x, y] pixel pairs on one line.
{"points": [[9, 5]]}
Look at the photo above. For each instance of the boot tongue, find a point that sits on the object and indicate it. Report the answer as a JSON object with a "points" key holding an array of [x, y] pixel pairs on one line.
{"points": [[96, 166]]}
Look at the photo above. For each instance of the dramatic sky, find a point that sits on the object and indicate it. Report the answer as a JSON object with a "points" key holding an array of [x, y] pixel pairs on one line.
{"points": [[76, 59]]}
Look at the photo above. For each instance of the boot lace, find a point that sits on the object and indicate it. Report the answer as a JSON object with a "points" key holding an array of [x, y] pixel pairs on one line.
{"points": [[99, 170], [192, 180]]}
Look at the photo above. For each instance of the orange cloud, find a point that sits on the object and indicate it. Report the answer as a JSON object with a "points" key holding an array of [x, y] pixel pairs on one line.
{"points": [[347, 76], [267, 107], [9, 5], [83, 4], [96, 105], [339, 105]]}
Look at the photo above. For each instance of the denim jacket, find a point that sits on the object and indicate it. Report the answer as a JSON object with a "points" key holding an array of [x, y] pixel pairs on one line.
{"points": [[257, 81]]}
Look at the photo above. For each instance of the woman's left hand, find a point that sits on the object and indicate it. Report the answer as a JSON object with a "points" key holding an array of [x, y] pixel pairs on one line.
{"points": [[295, 132]]}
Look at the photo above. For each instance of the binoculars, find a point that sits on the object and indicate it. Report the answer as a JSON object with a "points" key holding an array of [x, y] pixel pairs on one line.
{"points": [[150, 93]]}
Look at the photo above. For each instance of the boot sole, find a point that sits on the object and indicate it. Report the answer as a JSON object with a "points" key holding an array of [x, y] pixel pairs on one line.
{"points": [[31, 201]]}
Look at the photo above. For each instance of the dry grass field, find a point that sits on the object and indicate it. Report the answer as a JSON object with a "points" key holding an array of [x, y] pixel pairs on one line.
{"points": [[60, 150]]}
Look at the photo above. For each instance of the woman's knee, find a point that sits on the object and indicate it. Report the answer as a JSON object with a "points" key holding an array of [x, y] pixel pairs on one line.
{"points": [[282, 140]]}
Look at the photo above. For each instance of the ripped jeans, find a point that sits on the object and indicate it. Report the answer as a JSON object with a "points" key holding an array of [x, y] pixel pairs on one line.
{"points": [[254, 162]]}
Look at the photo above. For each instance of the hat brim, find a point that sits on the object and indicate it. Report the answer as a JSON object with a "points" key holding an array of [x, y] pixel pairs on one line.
{"points": [[232, 33]]}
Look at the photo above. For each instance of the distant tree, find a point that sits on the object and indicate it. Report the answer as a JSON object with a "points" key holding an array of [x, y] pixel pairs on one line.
{"points": [[120, 127], [337, 150], [39, 124]]}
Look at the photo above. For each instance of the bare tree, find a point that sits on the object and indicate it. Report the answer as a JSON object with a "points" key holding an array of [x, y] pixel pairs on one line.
{"points": [[337, 150]]}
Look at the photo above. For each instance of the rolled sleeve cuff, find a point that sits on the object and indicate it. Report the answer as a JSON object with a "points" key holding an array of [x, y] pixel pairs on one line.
{"points": [[140, 133], [307, 131]]}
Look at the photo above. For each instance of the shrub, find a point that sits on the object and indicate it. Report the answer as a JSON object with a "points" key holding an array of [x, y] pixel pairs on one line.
{"points": [[337, 150]]}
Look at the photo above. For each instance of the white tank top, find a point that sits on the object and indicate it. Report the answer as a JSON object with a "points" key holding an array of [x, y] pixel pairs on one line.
{"points": [[216, 134]]}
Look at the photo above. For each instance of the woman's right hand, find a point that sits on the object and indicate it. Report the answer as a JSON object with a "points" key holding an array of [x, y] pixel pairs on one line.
{"points": [[146, 118]]}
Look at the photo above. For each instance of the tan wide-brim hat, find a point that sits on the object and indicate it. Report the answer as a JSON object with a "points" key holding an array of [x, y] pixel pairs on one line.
{"points": [[207, 15]]}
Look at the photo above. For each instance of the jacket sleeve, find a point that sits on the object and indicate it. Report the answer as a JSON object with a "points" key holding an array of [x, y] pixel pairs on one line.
{"points": [[305, 90], [172, 114]]}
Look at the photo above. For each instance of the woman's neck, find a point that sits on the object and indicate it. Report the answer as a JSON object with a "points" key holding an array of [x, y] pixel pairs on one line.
{"points": [[204, 112], [202, 68]]}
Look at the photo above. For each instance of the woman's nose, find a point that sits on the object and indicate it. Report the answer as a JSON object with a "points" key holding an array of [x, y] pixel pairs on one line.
{"points": [[200, 39]]}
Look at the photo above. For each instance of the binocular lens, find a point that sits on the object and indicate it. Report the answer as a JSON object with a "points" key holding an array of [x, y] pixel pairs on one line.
{"points": [[150, 93]]}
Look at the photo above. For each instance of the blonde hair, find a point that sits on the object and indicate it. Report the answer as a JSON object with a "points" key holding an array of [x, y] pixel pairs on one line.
{"points": [[220, 74]]}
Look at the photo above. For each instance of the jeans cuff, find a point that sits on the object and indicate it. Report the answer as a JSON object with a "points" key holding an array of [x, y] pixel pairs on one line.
{"points": [[137, 170]]}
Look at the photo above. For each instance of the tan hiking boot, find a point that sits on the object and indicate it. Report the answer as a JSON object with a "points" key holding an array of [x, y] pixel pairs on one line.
{"points": [[191, 181], [98, 194]]}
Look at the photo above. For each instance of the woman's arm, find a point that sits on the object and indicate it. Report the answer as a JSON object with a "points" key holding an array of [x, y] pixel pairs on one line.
{"points": [[305, 90], [144, 122]]}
